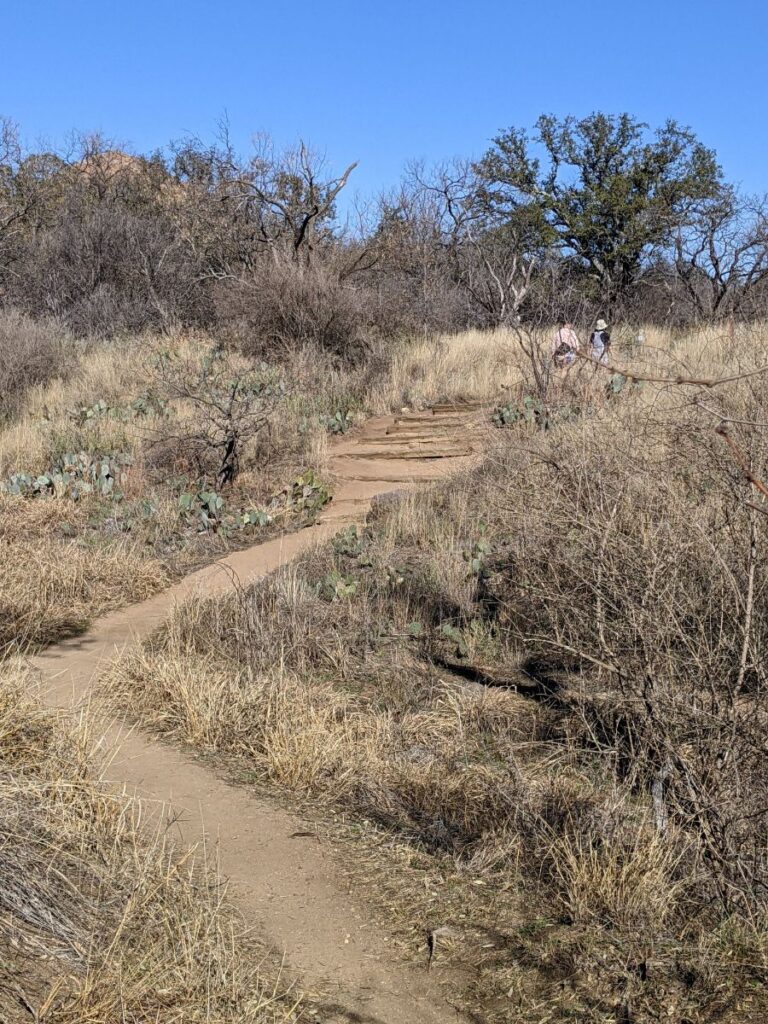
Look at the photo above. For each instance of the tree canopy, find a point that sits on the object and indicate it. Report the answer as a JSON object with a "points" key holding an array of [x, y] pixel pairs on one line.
{"points": [[607, 189]]}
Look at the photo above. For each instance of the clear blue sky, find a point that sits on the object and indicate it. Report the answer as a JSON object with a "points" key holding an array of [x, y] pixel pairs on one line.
{"points": [[382, 82]]}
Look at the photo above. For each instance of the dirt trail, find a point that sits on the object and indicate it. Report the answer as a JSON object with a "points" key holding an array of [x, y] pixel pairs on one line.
{"points": [[287, 886]]}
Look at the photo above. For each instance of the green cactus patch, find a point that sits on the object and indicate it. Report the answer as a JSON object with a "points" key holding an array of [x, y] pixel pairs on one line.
{"points": [[335, 586], [339, 423], [72, 476], [308, 493], [253, 517], [348, 542], [476, 554], [206, 510], [147, 404], [528, 410], [456, 636], [203, 508], [89, 412]]}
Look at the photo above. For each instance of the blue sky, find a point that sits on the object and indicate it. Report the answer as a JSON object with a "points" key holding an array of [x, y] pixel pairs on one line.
{"points": [[385, 82]]}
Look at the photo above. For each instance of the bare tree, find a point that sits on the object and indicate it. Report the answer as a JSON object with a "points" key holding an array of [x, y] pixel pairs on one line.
{"points": [[228, 410], [416, 251], [499, 277], [722, 254], [291, 198], [13, 206], [490, 255]]}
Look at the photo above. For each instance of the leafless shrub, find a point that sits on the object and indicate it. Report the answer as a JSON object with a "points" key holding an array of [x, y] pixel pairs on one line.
{"points": [[647, 589], [32, 352], [221, 409], [283, 306], [721, 255], [108, 268]]}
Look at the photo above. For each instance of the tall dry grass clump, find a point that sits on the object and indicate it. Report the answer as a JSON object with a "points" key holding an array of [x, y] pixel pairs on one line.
{"points": [[34, 352], [53, 588], [467, 365]]}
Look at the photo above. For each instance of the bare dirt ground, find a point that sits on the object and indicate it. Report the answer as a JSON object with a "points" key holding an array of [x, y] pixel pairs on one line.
{"points": [[287, 884]]}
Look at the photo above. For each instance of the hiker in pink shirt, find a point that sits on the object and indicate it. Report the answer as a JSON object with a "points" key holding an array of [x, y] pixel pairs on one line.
{"points": [[565, 345]]}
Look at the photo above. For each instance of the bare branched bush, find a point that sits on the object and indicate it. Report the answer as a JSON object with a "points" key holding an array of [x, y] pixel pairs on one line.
{"points": [[623, 591], [32, 353], [284, 306], [221, 410], [109, 268]]}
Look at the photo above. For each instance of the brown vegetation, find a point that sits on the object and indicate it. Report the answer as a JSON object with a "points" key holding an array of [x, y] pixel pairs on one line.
{"points": [[34, 352], [179, 419], [545, 679], [74, 546], [253, 248]]}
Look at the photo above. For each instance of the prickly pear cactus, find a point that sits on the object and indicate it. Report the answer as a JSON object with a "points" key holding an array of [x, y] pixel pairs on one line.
{"points": [[203, 508], [72, 476], [339, 423]]}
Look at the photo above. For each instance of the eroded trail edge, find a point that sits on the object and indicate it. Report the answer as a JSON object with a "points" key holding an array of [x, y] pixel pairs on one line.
{"points": [[288, 887]]}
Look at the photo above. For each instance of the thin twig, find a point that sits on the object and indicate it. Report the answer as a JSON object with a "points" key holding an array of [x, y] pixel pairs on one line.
{"points": [[704, 382], [748, 611], [741, 459]]}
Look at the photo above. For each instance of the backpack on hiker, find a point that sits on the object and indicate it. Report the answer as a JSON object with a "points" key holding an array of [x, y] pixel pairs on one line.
{"points": [[564, 355]]}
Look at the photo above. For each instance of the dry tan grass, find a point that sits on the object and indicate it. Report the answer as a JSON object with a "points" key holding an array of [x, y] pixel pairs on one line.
{"points": [[474, 364], [55, 588], [71, 560], [627, 886], [475, 715], [112, 373], [488, 364], [100, 921], [52, 585]]}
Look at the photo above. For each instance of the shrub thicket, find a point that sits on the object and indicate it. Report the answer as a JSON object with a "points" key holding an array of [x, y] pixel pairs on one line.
{"points": [[34, 352]]}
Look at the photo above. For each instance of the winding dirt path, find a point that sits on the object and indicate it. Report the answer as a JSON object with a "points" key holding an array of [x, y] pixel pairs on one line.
{"points": [[287, 886]]}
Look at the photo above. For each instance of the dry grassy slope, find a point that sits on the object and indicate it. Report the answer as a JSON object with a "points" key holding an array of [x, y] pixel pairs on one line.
{"points": [[423, 678], [285, 883], [342, 719], [68, 562]]}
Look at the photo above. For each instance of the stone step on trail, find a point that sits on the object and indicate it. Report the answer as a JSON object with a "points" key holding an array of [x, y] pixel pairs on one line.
{"points": [[369, 471], [414, 451], [393, 440], [463, 425], [429, 418], [458, 407]]}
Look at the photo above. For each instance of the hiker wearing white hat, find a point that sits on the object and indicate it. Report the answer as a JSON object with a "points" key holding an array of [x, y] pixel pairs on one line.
{"points": [[600, 342]]}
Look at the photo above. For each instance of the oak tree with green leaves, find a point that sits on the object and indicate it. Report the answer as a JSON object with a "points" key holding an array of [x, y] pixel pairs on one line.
{"points": [[609, 191]]}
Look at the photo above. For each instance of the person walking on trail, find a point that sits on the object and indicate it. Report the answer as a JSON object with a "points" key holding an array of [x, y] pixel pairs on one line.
{"points": [[565, 345], [600, 343]]}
